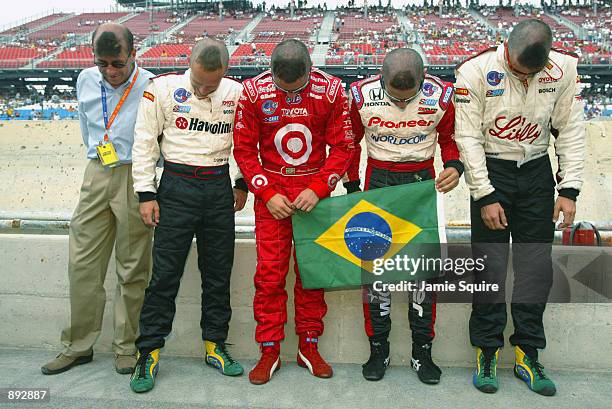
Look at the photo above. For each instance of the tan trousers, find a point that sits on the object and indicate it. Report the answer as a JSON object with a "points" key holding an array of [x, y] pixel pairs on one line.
{"points": [[106, 215]]}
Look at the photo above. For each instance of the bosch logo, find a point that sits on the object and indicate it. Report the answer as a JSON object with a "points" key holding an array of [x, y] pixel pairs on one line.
{"points": [[181, 123], [494, 78], [546, 90]]}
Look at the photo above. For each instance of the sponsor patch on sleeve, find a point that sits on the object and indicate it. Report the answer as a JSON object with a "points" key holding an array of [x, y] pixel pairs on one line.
{"points": [[357, 99], [446, 98], [148, 96], [462, 91]]}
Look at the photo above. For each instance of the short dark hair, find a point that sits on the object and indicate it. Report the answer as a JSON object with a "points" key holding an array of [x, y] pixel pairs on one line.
{"points": [[403, 68], [108, 43], [210, 54], [290, 60], [530, 42]]}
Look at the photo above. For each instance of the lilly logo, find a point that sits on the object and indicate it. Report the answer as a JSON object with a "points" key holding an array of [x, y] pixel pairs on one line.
{"points": [[494, 77]]}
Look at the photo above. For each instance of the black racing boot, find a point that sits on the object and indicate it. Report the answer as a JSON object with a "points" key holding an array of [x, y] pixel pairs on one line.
{"points": [[374, 369], [427, 371]]}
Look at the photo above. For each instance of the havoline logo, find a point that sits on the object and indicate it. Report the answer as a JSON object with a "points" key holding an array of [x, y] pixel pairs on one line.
{"points": [[217, 128]]}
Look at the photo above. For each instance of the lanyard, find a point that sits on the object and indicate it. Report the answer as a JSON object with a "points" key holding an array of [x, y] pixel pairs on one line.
{"points": [[109, 121]]}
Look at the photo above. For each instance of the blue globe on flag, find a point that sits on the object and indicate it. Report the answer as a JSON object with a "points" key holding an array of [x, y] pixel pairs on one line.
{"points": [[368, 236]]}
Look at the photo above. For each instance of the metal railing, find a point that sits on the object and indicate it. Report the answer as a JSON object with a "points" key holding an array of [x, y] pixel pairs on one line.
{"points": [[59, 223]]}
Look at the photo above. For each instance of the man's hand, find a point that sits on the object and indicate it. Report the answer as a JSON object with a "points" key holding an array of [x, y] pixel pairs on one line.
{"points": [[494, 217], [240, 198], [568, 207], [306, 201], [280, 207], [149, 212], [447, 180]]}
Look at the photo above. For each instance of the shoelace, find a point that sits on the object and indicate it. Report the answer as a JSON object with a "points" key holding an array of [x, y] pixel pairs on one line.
{"points": [[539, 369], [142, 365], [226, 354], [487, 366]]}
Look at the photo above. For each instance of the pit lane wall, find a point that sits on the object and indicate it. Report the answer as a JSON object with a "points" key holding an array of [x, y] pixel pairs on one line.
{"points": [[41, 169]]}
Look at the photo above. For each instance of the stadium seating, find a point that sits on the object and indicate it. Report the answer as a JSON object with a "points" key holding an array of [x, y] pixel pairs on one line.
{"points": [[211, 26], [76, 57], [15, 57], [32, 24], [79, 24], [166, 55], [281, 26], [148, 23]]}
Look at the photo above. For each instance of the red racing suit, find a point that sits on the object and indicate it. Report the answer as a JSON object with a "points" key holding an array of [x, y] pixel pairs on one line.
{"points": [[280, 146], [401, 145]]}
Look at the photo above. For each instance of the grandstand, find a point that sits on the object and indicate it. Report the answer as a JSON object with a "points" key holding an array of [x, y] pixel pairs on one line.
{"points": [[58, 45]]}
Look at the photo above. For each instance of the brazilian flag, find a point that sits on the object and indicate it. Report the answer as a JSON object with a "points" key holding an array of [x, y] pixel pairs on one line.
{"points": [[345, 240]]}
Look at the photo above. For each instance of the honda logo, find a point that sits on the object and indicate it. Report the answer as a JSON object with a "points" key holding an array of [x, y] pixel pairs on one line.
{"points": [[376, 94]]}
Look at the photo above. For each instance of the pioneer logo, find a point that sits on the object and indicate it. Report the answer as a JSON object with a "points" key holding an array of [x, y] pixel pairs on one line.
{"points": [[376, 121], [217, 128]]}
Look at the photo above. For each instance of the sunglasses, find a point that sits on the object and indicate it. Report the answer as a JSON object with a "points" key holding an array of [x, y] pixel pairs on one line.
{"points": [[292, 91], [402, 100], [114, 64]]}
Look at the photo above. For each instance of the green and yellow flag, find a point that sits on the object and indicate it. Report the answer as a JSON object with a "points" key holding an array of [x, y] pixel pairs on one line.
{"points": [[363, 237]]}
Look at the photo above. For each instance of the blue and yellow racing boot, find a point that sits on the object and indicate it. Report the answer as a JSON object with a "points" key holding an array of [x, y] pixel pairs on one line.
{"points": [[485, 377], [527, 368], [147, 365], [218, 356]]}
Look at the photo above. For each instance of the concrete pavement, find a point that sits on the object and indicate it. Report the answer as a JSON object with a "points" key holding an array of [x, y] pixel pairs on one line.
{"points": [[188, 383]]}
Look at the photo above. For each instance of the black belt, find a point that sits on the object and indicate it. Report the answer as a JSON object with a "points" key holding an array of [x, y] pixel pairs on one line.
{"points": [[196, 172]]}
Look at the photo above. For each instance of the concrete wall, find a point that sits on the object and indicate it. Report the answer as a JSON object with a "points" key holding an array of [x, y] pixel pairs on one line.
{"points": [[41, 167], [42, 164], [34, 308]]}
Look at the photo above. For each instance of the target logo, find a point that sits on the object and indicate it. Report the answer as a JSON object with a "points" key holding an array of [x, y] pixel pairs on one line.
{"points": [[181, 123], [259, 181], [332, 180], [294, 143]]}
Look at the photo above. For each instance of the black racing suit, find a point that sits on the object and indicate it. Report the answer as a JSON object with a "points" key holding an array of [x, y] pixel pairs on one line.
{"points": [[377, 305], [193, 201], [527, 195]]}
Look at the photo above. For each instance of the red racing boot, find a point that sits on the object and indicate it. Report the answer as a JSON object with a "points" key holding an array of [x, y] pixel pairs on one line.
{"points": [[308, 356], [268, 363]]}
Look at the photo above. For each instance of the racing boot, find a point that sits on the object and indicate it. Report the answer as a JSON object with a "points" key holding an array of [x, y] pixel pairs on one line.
{"points": [[308, 356], [375, 368], [269, 362], [219, 357], [427, 371], [528, 369], [485, 376]]}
